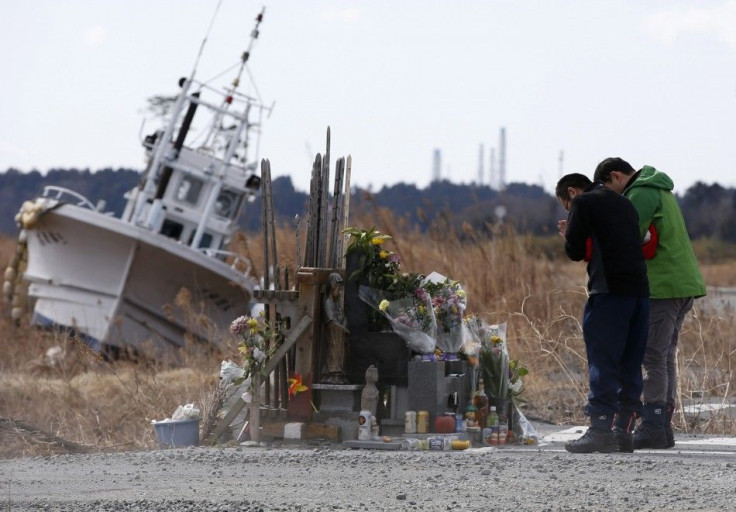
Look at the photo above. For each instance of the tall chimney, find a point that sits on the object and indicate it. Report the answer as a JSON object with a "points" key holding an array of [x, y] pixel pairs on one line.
{"points": [[436, 165], [502, 159], [480, 165]]}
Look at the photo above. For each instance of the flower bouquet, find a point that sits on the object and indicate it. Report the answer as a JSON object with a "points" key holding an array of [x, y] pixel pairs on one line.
{"points": [[410, 316], [475, 328], [368, 263], [493, 359], [258, 343], [376, 265], [449, 301]]}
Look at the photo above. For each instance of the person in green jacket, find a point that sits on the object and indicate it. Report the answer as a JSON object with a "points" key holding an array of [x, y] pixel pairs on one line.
{"points": [[674, 282]]}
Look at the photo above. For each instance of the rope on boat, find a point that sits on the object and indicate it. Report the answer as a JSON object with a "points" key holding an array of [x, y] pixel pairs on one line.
{"points": [[15, 289]]}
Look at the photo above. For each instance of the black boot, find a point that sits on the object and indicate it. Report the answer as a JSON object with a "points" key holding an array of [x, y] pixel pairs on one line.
{"points": [[622, 428], [669, 410], [599, 437], [651, 434]]}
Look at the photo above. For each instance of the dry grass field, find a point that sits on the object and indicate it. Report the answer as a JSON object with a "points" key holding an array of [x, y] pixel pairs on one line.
{"points": [[82, 403]]}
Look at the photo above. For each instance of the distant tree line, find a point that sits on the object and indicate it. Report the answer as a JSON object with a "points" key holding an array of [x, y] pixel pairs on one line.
{"points": [[709, 210]]}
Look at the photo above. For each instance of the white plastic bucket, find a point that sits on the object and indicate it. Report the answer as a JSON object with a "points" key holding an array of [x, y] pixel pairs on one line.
{"points": [[175, 434]]}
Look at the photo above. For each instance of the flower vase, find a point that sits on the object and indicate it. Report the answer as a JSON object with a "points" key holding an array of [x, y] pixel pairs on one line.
{"points": [[299, 408], [357, 312]]}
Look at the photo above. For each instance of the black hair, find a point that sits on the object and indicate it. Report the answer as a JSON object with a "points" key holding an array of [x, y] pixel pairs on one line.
{"points": [[607, 166], [574, 180]]}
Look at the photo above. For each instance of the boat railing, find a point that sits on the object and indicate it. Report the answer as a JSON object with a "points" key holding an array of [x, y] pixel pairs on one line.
{"points": [[61, 193], [238, 261]]}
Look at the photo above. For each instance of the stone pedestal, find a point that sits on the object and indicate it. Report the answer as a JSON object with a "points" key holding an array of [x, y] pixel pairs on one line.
{"points": [[426, 389], [392, 428], [399, 402], [346, 421], [387, 351], [338, 397]]}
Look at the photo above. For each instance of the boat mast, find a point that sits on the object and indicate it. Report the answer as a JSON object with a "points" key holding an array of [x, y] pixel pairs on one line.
{"points": [[234, 139], [149, 187], [229, 94]]}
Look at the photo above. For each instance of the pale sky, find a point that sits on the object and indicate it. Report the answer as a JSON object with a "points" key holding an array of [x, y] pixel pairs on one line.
{"points": [[653, 82]]}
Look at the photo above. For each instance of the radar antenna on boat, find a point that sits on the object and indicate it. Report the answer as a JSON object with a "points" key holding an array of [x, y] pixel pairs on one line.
{"points": [[227, 100]]}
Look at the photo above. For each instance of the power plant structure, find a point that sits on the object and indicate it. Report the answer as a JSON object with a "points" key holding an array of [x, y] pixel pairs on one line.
{"points": [[480, 165], [496, 174], [502, 159], [436, 165]]}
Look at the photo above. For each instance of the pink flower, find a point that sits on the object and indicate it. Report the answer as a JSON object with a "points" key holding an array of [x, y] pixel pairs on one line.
{"points": [[239, 325]]}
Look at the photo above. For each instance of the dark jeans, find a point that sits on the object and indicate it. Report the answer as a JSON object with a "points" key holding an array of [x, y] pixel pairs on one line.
{"points": [[615, 334]]}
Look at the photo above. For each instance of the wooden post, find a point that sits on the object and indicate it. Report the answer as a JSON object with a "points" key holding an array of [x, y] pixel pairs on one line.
{"points": [[345, 214], [255, 410], [309, 281]]}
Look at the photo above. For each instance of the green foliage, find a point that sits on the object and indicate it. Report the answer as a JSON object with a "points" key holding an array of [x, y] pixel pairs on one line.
{"points": [[378, 266]]}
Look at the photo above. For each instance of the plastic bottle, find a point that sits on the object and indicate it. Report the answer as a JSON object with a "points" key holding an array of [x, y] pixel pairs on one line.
{"points": [[492, 424], [460, 425], [503, 429]]}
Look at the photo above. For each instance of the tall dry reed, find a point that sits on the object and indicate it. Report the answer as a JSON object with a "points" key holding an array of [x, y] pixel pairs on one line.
{"points": [[509, 277]]}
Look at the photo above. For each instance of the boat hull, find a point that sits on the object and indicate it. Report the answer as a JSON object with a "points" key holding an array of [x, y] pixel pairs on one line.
{"points": [[119, 285]]}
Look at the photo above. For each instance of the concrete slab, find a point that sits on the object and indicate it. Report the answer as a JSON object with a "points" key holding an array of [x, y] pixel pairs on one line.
{"points": [[374, 445]]}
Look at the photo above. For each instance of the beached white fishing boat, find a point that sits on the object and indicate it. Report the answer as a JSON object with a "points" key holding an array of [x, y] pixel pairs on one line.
{"points": [[113, 280]]}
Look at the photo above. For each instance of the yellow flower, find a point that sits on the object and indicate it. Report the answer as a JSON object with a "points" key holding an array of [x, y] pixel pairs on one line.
{"points": [[383, 254], [461, 293], [496, 339], [377, 241], [383, 306]]}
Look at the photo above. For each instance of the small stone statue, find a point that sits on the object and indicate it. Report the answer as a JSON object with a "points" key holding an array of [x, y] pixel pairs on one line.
{"points": [[335, 330], [369, 395]]}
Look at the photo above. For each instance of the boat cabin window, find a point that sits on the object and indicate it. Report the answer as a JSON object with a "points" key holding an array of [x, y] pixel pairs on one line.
{"points": [[172, 229], [204, 243], [189, 190], [228, 203]]}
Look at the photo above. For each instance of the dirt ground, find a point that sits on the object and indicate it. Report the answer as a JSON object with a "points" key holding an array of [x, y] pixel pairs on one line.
{"points": [[699, 474]]}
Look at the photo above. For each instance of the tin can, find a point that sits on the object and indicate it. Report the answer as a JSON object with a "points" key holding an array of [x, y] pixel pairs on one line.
{"points": [[436, 443], [410, 422], [364, 426], [423, 422]]}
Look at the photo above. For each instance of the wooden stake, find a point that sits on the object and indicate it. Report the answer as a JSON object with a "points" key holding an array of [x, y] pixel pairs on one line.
{"points": [[345, 213]]}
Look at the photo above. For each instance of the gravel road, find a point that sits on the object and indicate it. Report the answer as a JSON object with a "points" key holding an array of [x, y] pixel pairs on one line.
{"points": [[326, 478]]}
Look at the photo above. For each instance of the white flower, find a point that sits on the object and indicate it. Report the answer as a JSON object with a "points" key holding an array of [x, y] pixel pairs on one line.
{"points": [[259, 355], [515, 387]]}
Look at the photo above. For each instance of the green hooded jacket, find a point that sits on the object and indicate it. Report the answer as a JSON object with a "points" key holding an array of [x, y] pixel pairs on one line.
{"points": [[673, 272]]}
